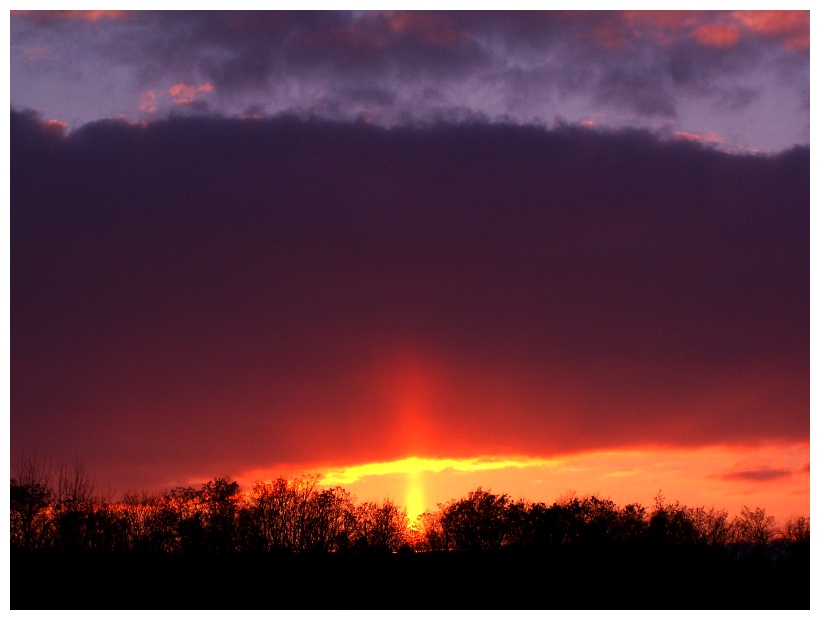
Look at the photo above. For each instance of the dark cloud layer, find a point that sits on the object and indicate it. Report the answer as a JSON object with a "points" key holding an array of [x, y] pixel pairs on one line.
{"points": [[203, 293], [527, 65]]}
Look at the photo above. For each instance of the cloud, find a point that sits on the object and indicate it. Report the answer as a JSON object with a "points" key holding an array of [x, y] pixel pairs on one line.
{"points": [[791, 27], [717, 35], [147, 101], [183, 94], [415, 465], [708, 138], [55, 126], [721, 29], [764, 474], [57, 16], [641, 91], [207, 292], [522, 65]]}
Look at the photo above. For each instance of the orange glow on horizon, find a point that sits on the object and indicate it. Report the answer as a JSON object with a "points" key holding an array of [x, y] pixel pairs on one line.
{"points": [[414, 470], [775, 477]]}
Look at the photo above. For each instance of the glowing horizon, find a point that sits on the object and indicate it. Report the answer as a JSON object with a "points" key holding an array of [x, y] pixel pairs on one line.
{"points": [[414, 464], [773, 476]]}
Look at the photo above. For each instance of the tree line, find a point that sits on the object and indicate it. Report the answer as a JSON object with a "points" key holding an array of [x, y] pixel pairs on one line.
{"points": [[60, 509]]}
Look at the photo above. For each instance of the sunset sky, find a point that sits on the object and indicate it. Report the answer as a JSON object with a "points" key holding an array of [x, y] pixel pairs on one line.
{"points": [[415, 252]]}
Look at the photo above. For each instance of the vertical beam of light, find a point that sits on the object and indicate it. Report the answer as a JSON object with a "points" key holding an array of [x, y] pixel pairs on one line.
{"points": [[412, 397], [415, 495], [409, 395]]}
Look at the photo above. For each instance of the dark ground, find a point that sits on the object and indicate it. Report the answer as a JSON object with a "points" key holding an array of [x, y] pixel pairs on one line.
{"points": [[566, 579]]}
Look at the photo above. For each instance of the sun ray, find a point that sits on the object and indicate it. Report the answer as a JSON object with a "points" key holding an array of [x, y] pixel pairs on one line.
{"points": [[415, 496]]}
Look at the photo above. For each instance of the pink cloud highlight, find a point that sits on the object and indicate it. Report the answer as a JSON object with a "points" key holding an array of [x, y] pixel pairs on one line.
{"points": [[147, 101], [721, 36], [183, 94], [791, 26], [704, 138], [55, 126]]}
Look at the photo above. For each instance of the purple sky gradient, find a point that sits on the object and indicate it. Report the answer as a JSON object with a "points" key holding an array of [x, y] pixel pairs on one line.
{"points": [[347, 238], [207, 289]]}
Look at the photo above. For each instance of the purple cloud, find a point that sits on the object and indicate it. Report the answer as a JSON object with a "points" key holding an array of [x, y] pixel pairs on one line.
{"points": [[204, 292]]}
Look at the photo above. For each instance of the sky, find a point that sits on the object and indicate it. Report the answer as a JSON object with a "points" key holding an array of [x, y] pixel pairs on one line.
{"points": [[416, 252]]}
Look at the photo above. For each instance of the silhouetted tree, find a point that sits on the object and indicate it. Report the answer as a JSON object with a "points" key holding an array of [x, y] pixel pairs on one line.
{"points": [[218, 507], [428, 534], [282, 510], [380, 526], [671, 524], [796, 530], [29, 498], [152, 524], [185, 510], [518, 530], [74, 508], [712, 526], [631, 524], [331, 522], [475, 522], [544, 525], [62, 512], [267, 505], [754, 528]]}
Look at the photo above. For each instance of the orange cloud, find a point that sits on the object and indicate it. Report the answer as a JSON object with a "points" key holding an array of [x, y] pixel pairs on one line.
{"points": [[93, 16], [55, 126], [665, 27], [719, 35], [89, 16], [792, 26], [147, 101], [182, 93], [706, 138], [428, 27], [716, 29]]}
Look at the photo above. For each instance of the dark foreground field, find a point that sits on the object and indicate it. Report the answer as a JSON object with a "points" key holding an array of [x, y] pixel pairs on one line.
{"points": [[576, 579]]}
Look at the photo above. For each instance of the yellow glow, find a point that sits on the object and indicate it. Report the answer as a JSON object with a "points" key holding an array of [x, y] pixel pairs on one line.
{"points": [[413, 469], [414, 464], [415, 496]]}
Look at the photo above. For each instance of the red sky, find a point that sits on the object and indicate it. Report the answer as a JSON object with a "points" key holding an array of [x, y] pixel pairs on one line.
{"points": [[598, 308]]}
